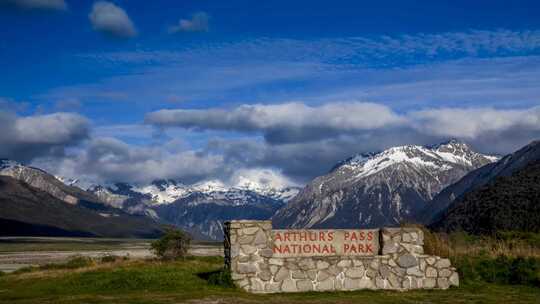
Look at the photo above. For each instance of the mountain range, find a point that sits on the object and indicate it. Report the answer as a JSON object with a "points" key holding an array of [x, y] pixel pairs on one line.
{"points": [[439, 185]]}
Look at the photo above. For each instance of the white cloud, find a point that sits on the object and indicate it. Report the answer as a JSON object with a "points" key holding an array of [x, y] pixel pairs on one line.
{"points": [[472, 123], [111, 19], [197, 23], [40, 4], [283, 122], [24, 138]]}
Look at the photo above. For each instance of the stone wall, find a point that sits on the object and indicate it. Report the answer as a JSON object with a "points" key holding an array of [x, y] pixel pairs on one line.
{"points": [[400, 265]]}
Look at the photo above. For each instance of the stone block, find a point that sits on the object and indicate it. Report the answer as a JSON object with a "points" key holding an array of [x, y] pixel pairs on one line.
{"points": [[384, 271], [267, 253], [356, 272], [276, 261], [273, 269], [246, 239], [431, 260], [246, 268], [304, 285], [248, 249], [351, 284], [322, 265], [390, 247], [312, 274], [260, 238], [443, 283], [272, 287], [415, 271], [256, 285], [407, 261], [288, 285], [282, 274], [298, 274], [454, 279], [442, 263], [306, 264], [265, 275], [431, 272], [333, 270], [344, 263], [326, 285], [414, 249], [250, 230], [445, 273], [366, 283], [322, 275], [429, 283]]}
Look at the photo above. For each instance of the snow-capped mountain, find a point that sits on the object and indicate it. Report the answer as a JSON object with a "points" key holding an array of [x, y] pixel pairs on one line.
{"points": [[198, 208], [385, 188]]}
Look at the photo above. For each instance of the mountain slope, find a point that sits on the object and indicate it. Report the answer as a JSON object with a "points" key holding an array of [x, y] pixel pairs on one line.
{"points": [[480, 177], [380, 189], [26, 210], [505, 203], [44, 181]]}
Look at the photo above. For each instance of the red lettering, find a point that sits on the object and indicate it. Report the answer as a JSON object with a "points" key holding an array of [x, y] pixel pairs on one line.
{"points": [[362, 236], [370, 236], [330, 236], [369, 248], [321, 236], [278, 237]]}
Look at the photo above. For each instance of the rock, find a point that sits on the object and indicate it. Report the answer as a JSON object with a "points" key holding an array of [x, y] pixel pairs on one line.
{"points": [[431, 272], [429, 283], [415, 271], [411, 248], [356, 272], [276, 261], [298, 274], [288, 285], [304, 285], [267, 253], [380, 283], [256, 285], [384, 271], [272, 287], [443, 283], [407, 238], [312, 274], [246, 239], [237, 276], [306, 264], [454, 279], [357, 263], [431, 260], [393, 280], [344, 263], [273, 269], [366, 283], [260, 238], [351, 284], [282, 274], [445, 273], [248, 249], [390, 247], [265, 275], [250, 230], [443, 263], [410, 283], [322, 276], [326, 285], [333, 270], [246, 268], [371, 273], [407, 261], [322, 265]]}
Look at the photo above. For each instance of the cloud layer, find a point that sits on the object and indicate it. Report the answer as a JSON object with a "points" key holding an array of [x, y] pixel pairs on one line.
{"points": [[111, 19]]}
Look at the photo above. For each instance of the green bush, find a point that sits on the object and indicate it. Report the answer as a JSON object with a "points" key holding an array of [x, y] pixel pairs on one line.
{"points": [[109, 259], [221, 278], [173, 245], [500, 270]]}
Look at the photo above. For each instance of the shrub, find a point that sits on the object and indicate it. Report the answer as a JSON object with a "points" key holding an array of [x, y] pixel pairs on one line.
{"points": [[173, 244], [221, 278], [109, 259], [500, 270]]}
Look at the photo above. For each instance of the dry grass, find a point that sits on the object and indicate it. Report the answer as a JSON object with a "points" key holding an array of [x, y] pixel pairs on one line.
{"points": [[461, 244]]}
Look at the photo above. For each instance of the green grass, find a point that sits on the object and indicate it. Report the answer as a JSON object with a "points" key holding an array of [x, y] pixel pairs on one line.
{"points": [[198, 278]]}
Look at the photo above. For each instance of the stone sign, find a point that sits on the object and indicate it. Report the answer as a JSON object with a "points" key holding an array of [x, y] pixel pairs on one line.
{"points": [[306, 243], [263, 260]]}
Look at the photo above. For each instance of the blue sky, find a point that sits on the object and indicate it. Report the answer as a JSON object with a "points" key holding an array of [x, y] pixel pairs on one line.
{"points": [[278, 85]]}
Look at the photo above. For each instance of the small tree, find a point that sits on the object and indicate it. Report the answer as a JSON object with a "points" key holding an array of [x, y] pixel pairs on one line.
{"points": [[172, 245]]}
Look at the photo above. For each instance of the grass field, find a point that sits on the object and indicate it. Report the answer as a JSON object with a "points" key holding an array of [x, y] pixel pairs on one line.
{"points": [[186, 281]]}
